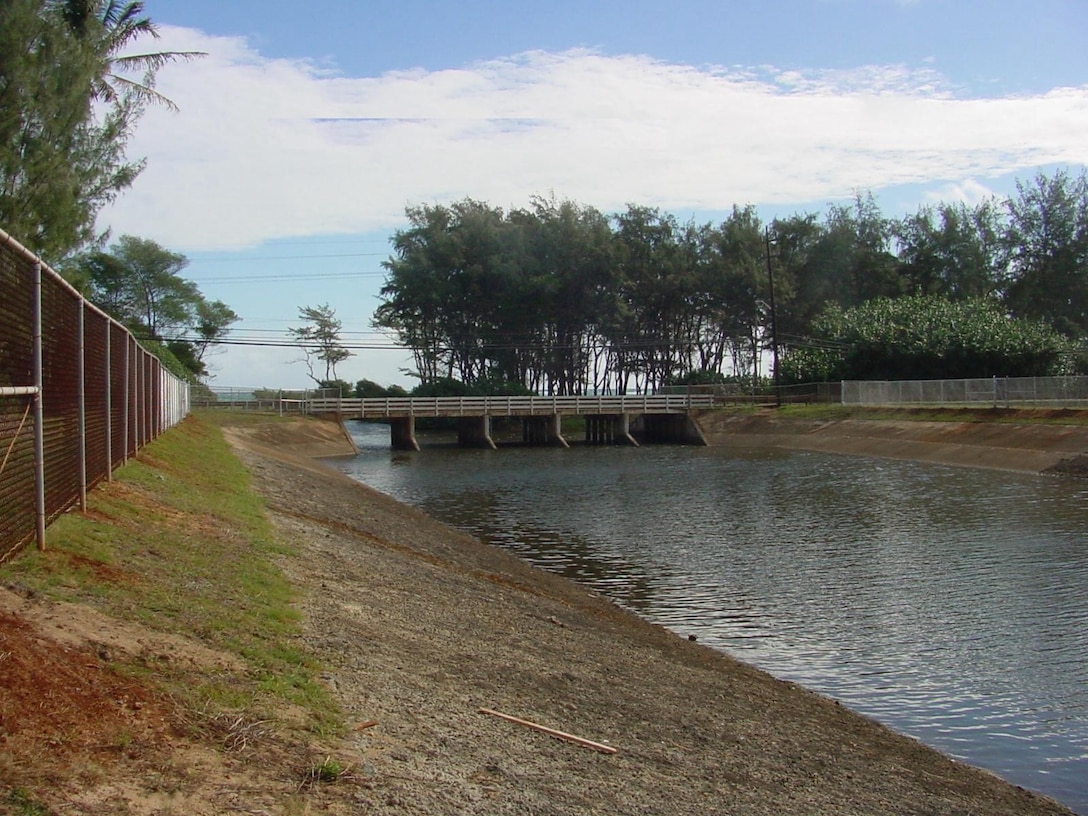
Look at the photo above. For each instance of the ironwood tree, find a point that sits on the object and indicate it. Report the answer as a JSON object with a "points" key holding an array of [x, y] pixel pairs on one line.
{"points": [[319, 339], [138, 282]]}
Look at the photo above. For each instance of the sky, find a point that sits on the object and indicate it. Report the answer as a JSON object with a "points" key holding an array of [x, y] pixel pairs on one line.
{"points": [[306, 129]]}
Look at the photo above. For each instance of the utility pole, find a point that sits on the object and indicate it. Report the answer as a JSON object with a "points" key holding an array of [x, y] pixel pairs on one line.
{"points": [[774, 320]]}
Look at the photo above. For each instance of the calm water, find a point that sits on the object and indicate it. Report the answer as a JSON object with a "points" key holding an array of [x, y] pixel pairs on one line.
{"points": [[951, 604]]}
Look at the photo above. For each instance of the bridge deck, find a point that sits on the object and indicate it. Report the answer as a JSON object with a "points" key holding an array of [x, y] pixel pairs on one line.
{"points": [[391, 407]]}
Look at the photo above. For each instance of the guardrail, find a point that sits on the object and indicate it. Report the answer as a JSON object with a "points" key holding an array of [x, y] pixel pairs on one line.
{"points": [[383, 407]]}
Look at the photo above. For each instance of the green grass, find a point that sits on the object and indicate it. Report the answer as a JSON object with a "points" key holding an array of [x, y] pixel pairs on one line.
{"points": [[180, 542], [23, 804]]}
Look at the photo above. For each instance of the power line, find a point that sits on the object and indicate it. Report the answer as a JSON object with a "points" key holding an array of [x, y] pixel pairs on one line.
{"points": [[236, 259], [287, 276]]}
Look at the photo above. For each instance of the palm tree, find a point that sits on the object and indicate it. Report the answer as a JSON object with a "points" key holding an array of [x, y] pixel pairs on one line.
{"points": [[111, 26]]}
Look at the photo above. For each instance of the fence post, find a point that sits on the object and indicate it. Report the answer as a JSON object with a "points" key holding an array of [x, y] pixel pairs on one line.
{"points": [[81, 373], [141, 396], [39, 414], [109, 403], [124, 404]]}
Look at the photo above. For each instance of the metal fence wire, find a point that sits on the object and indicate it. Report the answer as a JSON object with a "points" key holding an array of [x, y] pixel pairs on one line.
{"points": [[1055, 392], [78, 396]]}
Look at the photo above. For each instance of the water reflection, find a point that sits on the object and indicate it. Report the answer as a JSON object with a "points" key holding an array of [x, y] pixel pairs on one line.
{"points": [[951, 604]]}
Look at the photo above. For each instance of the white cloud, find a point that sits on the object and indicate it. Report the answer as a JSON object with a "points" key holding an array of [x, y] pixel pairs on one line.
{"points": [[969, 192], [266, 148]]}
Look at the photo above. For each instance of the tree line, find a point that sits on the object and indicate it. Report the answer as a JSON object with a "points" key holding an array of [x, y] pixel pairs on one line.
{"points": [[558, 297]]}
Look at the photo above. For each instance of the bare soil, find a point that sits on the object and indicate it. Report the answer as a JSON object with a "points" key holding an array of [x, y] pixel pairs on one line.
{"points": [[987, 438], [418, 627]]}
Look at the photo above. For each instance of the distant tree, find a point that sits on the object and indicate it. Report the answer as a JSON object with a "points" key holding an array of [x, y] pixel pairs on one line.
{"points": [[365, 389], [138, 282], [418, 282], [733, 298], [567, 290], [1047, 245], [656, 287], [796, 239], [444, 387], [952, 250], [320, 342], [213, 320]]}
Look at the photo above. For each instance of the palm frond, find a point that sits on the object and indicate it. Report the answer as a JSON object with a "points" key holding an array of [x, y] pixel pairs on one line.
{"points": [[155, 60], [140, 91]]}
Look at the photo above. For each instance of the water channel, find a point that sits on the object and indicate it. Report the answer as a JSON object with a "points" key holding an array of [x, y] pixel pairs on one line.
{"points": [[950, 604]]}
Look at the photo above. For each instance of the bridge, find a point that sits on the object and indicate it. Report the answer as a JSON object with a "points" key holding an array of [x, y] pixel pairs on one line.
{"points": [[609, 418]]}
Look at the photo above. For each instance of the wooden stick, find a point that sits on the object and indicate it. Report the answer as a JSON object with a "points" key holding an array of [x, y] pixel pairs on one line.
{"points": [[596, 746]]}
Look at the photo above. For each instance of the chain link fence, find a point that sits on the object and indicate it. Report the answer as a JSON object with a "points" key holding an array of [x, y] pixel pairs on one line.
{"points": [[1051, 392], [78, 396]]}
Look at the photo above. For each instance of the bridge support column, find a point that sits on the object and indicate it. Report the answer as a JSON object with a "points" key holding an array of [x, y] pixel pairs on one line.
{"points": [[609, 429], [543, 430], [475, 432], [402, 433]]}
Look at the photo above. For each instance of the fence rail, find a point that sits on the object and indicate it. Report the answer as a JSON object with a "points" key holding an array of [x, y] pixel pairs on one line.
{"points": [[78, 396], [1058, 392], [379, 407]]}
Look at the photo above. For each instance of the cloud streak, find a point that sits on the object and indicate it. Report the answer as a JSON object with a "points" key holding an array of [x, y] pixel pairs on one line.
{"points": [[271, 148]]}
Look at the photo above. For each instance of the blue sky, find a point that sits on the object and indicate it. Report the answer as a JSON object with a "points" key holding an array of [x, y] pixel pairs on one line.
{"points": [[308, 127]]}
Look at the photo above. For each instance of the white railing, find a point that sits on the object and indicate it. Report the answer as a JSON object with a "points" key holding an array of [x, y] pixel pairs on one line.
{"points": [[376, 407]]}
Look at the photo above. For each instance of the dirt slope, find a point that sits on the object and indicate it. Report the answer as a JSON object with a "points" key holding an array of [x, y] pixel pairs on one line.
{"points": [[1026, 447]]}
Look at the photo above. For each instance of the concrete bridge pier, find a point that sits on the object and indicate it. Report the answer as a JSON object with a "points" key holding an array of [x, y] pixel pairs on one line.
{"points": [[609, 429], [543, 430], [402, 433], [475, 432]]}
